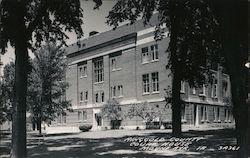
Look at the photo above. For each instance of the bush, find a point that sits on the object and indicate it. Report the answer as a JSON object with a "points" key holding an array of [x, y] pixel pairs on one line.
{"points": [[153, 125], [167, 125], [85, 128]]}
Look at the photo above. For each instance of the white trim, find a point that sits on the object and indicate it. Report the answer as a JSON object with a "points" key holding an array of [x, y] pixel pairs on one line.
{"points": [[149, 39], [103, 53], [145, 31]]}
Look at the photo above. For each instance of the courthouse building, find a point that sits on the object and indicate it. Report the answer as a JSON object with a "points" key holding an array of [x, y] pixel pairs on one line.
{"points": [[127, 64]]}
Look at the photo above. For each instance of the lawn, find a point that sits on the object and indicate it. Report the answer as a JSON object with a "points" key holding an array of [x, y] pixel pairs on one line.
{"points": [[129, 144]]}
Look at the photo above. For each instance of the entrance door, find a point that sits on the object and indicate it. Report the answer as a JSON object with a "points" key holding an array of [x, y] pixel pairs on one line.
{"points": [[98, 119]]}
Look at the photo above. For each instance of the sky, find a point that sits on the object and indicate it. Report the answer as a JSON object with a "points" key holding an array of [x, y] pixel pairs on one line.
{"points": [[94, 20]]}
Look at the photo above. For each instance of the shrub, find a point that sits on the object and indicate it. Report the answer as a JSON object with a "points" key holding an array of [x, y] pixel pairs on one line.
{"points": [[167, 125], [85, 128], [153, 125]]}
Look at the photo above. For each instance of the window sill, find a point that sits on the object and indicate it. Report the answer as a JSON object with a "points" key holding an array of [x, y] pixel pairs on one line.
{"points": [[83, 77], [146, 93], [152, 61], [156, 92], [182, 92], [118, 69], [184, 121], [98, 82]]}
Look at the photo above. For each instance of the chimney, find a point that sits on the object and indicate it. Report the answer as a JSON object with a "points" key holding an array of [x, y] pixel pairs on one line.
{"points": [[93, 33]]}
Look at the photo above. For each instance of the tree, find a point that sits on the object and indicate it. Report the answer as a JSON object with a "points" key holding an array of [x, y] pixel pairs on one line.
{"points": [[144, 111], [192, 44], [7, 91], [232, 16], [25, 23], [47, 84], [112, 111]]}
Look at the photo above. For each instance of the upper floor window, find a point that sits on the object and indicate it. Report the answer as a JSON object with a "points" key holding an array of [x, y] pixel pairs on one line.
{"points": [[145, 81], [120, 90], [214, 89], [182, 87], [83, 71], [99, 97], [86, 96], [224, 89], [145, 55], [81, 96], [113, 64], [202, 91], [155, 82], [154, 52], [117, 91], [99, 71]]}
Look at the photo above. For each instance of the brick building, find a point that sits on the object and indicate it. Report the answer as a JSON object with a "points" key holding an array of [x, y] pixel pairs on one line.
{"points": [[129, 65]]}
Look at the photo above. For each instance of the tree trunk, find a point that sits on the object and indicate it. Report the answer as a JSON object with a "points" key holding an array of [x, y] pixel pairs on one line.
{"points": [[232, 16], [39, 125], [21, 62], [19, 115], [176, 105]]}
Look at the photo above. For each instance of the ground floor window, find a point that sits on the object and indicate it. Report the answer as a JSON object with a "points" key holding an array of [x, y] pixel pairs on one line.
{"points": [[204, 114], [227, 115], [82, 115], [216, 114], [61, 118], [183, 113]]}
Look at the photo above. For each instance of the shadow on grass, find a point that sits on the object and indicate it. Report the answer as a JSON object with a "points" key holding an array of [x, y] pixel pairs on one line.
{"points": [[117, 148]]}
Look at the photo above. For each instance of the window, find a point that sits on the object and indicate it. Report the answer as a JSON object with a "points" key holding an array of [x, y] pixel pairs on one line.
{"points": [[84, 115], [61, 118], [96, 97], [227, 115], [145, 55], [113, 91], [86, 96], [99, 71], [81, 96], [204, 113], [216, 114], [214, 89], [102, 97], [224, 89], [64, 118], [83, 71], [155, 82], [99, 97], [182, 87], [145, 81], [120, 91], [113, 63], [193, 90], [202, 90], [154, 52], [183, 113]]}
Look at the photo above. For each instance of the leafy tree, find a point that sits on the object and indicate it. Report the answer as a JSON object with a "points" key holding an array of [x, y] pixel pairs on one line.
{"points": [[192, 44], [25, 23], [232, 16], [112, 111], [144, 111], [7, 91], [47, 86]]}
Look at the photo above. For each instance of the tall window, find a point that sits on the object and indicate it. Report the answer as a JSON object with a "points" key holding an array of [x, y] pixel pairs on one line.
{"points": [[154, 52], [86, 96], [216, 114], [84, 115], [83, 71], [102, 97], [224, 89], [182, 87], [99, 71], [183, 113], [113, 91], [99, 97], [96, 97], [193, 90], [81, 96], [214, 89], [145, 55], [204, 114], [155, 82], [113, 64], [120, 90], [202, 90], [145, 81]]}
